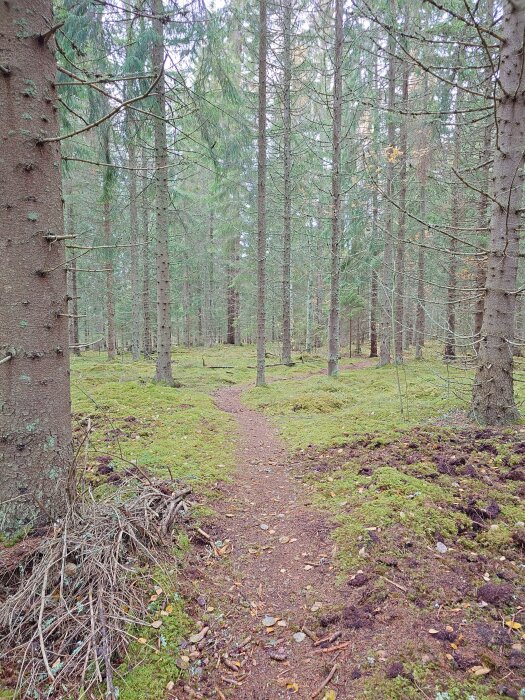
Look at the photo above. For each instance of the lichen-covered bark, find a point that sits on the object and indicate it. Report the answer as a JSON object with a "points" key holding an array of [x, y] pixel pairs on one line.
{"points": [[35, 428], [493, 393]]}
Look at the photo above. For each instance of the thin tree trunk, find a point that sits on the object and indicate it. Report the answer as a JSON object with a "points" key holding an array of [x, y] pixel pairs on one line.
{"points": [[35, 411], [419, 335], [457, 202], [287, 158], [111, 338], [493, 399], [134, 254], [373, 314], [386, 269], [163, 368], [335, 258], [147, 347], [261, 197], [399, 287]]}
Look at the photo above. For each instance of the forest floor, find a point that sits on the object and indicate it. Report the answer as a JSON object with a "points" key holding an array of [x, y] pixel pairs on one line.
{"points": [[353, 538]]}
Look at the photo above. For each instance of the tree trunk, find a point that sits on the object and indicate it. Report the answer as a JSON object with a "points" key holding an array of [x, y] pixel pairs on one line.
{"points": [[74, 336], [373, 314], [261, 197], [35, 412], [111, 338], [419, 334], [335, 258], [287, 184], [163, 368], [134, 256], [147, 347], [457, 202], [399, 287], [484, 209], [386, 269], [493, 400]]}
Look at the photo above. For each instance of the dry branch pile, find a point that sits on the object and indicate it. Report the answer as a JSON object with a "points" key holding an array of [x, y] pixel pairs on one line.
{"points": [[69, 600]]}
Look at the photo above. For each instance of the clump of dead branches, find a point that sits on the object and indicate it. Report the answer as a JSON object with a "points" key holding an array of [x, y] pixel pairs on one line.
{"points": [[70, 600]]}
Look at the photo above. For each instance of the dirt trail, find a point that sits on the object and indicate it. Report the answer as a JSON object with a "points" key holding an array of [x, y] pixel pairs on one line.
{"points": [[279, 566]]}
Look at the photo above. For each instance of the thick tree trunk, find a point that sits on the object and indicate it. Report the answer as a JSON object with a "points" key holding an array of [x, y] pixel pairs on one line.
{"points": [[261, 197], [134, 255], [493, 400], [287, 184], [483, 220], [74, 336], [162, 257], [147, 347], [35, 412], [335, 258]]}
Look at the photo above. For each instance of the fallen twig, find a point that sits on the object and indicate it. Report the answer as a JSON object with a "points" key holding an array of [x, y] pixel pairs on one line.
{"points": [[325, 682]]}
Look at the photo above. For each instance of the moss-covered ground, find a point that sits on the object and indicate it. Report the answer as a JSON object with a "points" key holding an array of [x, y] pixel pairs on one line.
{"points": [[381, 453]]}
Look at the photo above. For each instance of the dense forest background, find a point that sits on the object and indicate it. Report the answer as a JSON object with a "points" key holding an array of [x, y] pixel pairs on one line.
{"points": [[415, 132]]}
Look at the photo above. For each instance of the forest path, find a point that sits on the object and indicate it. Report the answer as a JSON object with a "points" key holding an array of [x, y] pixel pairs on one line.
{"points": [[279, 567]]}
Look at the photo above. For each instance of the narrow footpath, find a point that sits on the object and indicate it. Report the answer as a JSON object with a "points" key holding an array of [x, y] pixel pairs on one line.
{"points": [[276, 578]]}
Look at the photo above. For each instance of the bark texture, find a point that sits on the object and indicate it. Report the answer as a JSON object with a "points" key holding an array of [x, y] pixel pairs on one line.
{"points": [[134, 241], [386, 300], [493, 400], [287, 183], [147, 346], [261, 196], [35, 412], [163, 370], [335, 259]]}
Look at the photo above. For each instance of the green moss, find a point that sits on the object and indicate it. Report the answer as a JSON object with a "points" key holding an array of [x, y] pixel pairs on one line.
{"points": [[152, 659], [364, 401], [385, 499], [404, 689]]}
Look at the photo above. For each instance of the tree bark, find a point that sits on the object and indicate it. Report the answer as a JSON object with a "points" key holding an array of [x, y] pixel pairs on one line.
{"points": [[335, 258], [111, 338], [493, 399], [35, 412], [162, 262], [386, 300], [134, 241], [287, 183], [261, 197], [147, 347], [456, 204], [74, 336], [373, 314], [399, 286]]}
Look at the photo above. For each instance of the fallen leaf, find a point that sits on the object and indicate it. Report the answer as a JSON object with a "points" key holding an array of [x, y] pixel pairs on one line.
{"points": [[157, 624], [513, 625], [142, 640], [479, 670], [294, 687], [330, 695]]}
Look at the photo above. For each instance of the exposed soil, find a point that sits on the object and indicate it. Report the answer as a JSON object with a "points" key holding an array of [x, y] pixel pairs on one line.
{"points": [[273, 557], [280, 566]]}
